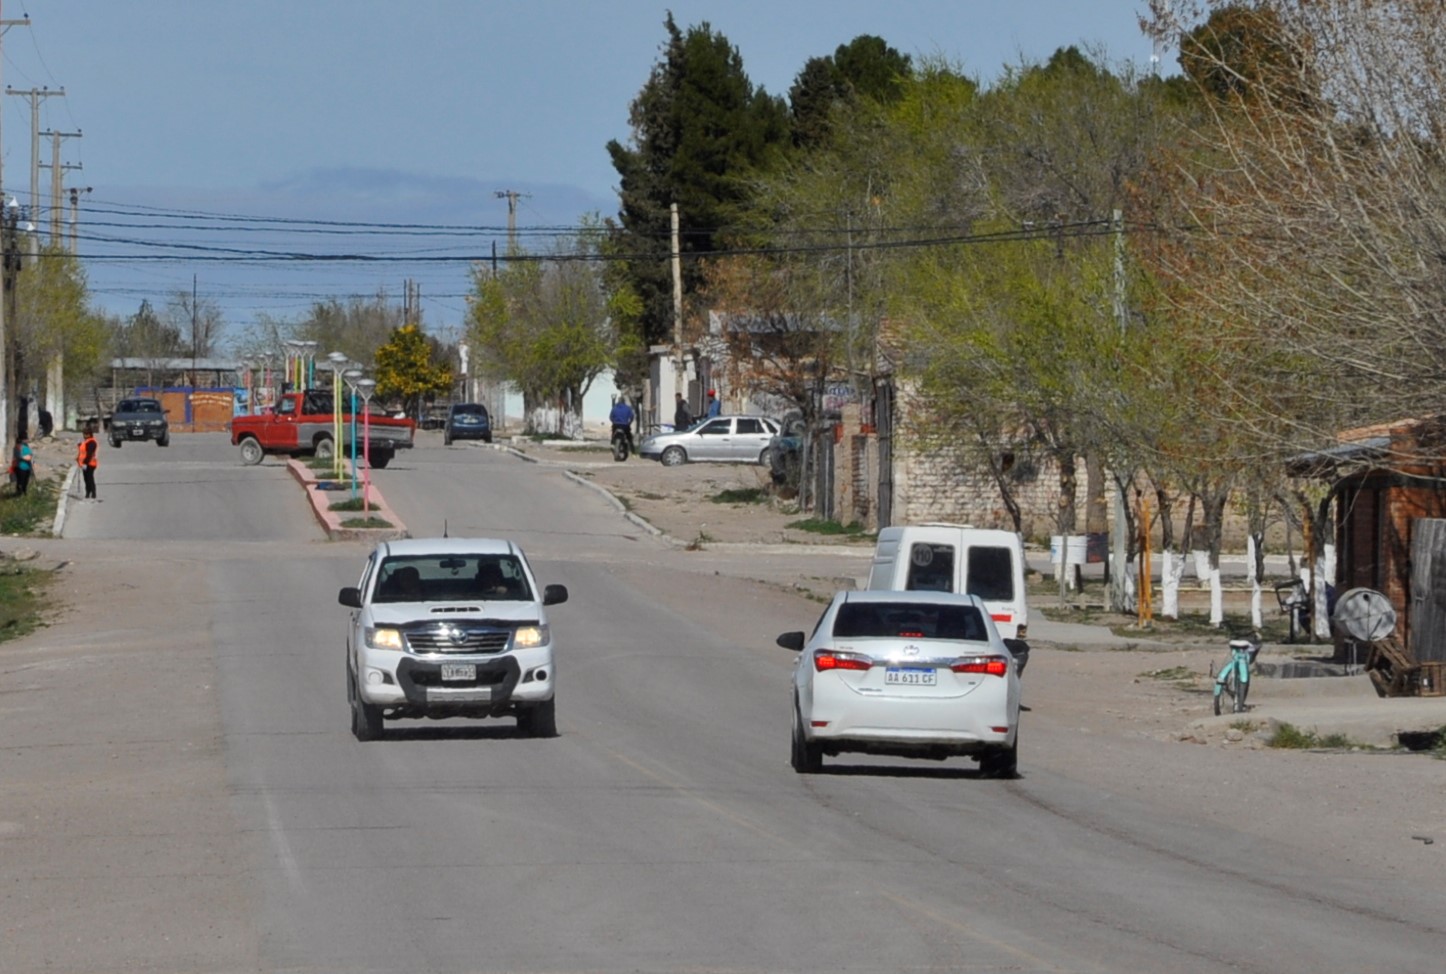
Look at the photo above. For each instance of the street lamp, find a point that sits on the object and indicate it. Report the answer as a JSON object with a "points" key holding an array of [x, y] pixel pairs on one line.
{"points": [[308, 373], [351, 377], [337, 361], [366, 387]]}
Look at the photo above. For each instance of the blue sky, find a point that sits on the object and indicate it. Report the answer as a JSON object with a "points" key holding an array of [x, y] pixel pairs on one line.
{"points": [[391, 112]]}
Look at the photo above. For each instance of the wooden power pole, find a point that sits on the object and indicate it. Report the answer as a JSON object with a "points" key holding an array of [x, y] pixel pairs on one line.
{"points": [[7, 358]]}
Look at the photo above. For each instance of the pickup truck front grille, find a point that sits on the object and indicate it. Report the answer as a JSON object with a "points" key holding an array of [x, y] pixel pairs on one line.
{"points": [[453, 637]]}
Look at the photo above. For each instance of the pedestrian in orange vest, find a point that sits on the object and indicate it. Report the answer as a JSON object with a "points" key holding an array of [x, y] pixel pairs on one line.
{"points": [[86, 459]]}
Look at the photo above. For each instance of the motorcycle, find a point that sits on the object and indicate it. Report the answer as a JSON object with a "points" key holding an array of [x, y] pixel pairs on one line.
{"points": [[622, 443]]}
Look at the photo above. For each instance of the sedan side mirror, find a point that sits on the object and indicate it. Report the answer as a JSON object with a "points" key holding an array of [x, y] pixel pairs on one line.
{"points": [[792, 640], [350, 597], [553, 594]]}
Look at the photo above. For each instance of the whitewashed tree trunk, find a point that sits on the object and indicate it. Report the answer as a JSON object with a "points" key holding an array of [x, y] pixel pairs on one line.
{"points": [[1202, 566], [1171, 568], [1131, 600], [1325, 568], [1256, 618], [1217, 599]]}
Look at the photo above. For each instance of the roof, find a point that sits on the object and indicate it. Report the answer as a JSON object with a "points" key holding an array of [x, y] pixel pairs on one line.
{"points": [[448, 546]]}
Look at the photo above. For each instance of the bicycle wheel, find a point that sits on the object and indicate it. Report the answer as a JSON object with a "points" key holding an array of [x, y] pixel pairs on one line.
{"points": [[1224, 690], [1241, 688]]}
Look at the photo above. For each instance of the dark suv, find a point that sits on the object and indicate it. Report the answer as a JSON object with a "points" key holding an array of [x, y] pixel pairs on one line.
{"points": [[139, 419], [467, 421]]}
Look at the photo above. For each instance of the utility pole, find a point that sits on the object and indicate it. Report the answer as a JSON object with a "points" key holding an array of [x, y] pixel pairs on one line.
{"points": [[679, 371], [35, 95], [74, 214], [511, 196], [1118, 545], [6, 358], [57, 211]]}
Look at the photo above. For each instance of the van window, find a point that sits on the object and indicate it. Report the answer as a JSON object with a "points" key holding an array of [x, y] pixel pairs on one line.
{"points": [[991, 574], [931, 568]]}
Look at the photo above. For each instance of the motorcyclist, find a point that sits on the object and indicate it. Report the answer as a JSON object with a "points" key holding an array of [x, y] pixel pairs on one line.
{"points": [[622, 419]]}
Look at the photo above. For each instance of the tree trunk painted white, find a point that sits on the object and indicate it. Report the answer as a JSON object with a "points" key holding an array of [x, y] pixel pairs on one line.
{"points": [[1257, 620], [1171, 568], [1250, 559], [1131, 588], [1217, 599], [1202, 566], [1325, 570]]}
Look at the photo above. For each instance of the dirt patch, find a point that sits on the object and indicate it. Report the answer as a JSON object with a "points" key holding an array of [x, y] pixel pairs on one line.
{"points": [[729, 503]]}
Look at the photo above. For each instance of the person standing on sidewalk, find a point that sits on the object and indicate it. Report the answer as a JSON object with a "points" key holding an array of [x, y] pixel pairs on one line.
{"points": [[87, 459], [24, 462], [682, 419]]}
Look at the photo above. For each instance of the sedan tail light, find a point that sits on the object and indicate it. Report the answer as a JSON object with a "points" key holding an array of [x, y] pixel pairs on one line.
{"points": [[827, 659], [988, 665]]}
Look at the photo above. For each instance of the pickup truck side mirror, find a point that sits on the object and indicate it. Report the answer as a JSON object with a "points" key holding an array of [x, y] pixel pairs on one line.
{"points": [[350, 597], [554, 594], [792, 640]]}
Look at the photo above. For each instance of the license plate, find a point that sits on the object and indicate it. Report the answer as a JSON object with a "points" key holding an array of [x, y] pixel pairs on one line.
{"points": [[917, 676], [459, 671]]}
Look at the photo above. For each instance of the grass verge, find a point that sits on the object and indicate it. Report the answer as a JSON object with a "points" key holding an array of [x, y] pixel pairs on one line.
{"points": [[32, 513], [1290, 737], [366, 522], [21, 604], [832, 528]]}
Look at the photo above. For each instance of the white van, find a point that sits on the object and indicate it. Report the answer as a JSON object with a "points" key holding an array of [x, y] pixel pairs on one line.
{"points": [[985, 562]]}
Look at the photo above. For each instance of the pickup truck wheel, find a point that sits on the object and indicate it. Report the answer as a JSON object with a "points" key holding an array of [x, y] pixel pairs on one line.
{"points": [[324, 449], [251, 452], [540, 720], [164, 440], [380, 460], [366, 719]]}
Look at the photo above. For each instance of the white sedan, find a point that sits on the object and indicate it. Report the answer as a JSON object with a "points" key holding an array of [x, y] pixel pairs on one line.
{"points": [[911, 674]]}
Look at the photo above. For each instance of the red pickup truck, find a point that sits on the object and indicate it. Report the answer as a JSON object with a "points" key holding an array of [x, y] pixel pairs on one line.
{"points": [[304, 424]]}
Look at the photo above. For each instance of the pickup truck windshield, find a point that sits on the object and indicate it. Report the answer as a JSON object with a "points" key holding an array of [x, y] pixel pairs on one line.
{"points": [[452, 578]]}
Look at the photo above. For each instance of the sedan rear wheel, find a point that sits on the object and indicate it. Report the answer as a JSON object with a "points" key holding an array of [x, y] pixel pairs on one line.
{"points": [[674, 456], [806, 758], [1002, 762]]}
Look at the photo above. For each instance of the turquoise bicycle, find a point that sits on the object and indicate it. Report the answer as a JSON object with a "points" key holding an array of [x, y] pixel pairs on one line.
{"points": [[1233, 681]]}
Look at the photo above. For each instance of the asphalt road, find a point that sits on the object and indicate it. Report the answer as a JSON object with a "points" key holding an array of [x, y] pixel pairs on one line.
{"points": [[662, 831]]}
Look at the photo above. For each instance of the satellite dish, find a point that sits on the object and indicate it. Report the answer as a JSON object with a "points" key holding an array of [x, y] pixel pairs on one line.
{"points": [[1365, 615]]}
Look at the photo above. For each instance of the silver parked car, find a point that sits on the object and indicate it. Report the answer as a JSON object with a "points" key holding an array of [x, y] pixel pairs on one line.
{"points": [[722, 439]]}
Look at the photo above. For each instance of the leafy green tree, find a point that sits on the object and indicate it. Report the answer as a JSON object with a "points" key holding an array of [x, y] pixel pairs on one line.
{"points": [[547, 326], [355, 327], [58, 337], [700, 128], [405, 369]]}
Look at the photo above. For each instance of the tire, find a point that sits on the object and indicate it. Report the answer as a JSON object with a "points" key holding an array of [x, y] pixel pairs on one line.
{"points": [[446, 439], [674, 456], [806, 758], [1242, 687], [115, 443], [251, 452], [1224, 690], [324, 449], [620, 449], [164, 440], [366, 719], [765, 458], [380, 460], [1001, 762], [539, 721]]}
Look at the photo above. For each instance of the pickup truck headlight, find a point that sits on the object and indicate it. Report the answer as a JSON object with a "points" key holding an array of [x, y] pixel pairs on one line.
{"points": [[528, 637], [382, 637]]}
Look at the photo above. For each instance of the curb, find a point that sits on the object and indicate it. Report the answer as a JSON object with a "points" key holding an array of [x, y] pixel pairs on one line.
{"points": [[641, 522], [331, 520]]}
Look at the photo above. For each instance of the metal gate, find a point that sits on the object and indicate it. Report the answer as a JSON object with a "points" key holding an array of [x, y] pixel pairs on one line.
{"points": [[1427, 619], [884, 426]]}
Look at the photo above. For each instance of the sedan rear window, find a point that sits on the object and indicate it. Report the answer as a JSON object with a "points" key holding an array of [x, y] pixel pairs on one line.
{"points": [[915, 620]]}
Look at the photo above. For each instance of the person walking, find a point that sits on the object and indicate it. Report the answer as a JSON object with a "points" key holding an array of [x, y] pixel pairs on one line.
{"points": [[682, 418], [24, 462], [86, 458]]}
